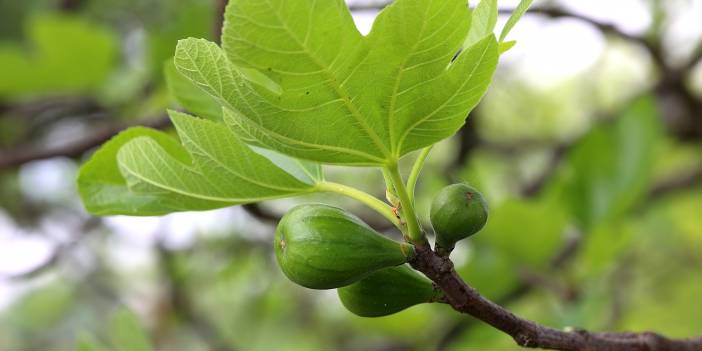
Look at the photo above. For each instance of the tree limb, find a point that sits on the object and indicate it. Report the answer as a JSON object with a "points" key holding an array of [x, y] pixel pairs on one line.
{"points": [[526, 333], [24, 154]]}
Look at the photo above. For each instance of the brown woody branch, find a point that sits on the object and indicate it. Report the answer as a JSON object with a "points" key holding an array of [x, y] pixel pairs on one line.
{"points": [[526, 333], [220, 7], [24, 154]]}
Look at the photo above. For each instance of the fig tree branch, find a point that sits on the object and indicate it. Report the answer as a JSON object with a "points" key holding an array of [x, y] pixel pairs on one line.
{"points": [[20, 155], [562, 257], [465, 299]]}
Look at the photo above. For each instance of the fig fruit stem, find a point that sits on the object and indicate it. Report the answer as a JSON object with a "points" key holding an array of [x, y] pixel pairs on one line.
{"points": [[416, 170], [376, 204], [413, 231]]}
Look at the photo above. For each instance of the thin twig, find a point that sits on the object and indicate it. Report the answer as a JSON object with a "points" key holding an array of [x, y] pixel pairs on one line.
{"points": [[220, 7], [24, 154]]}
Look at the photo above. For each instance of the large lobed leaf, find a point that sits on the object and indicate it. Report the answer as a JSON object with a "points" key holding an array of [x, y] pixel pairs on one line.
{"points": [[298, 77]]}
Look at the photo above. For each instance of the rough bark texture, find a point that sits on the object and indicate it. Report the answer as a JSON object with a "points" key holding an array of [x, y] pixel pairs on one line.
{"points": [[526, 333]]}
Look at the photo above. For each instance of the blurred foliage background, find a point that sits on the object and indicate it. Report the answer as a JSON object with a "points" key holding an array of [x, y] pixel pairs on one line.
{"points": [[593, 173]]}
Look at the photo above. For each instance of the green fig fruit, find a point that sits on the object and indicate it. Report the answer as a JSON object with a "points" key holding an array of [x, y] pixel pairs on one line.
{"points": [[387, 291], [324, 247], [457, 212]]}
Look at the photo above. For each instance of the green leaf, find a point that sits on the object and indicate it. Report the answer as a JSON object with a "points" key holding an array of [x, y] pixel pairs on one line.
{"points": [[350, 100], [609, 170], [127, 332], [306, 171], [68, 55], [514, 18], [528, 232], [87, 342], [506, 45], [104, 191], [190, 96], [484, 20], [224, 171]]}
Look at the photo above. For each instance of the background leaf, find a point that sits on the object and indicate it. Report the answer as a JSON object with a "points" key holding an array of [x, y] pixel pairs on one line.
{"points": [[66, 55], [611, 167], [127, 333]]}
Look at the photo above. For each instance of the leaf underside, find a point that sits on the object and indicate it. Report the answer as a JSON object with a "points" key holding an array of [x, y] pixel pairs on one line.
{"points": [[293, 86], [147, 172], [297, 77]]}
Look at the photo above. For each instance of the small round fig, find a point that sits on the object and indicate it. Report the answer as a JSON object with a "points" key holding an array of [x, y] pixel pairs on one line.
{"points": [[457, 212]]}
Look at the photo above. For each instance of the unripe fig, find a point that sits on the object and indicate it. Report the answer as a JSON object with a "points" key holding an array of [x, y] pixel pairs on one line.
{"points": [[324, 247], [457, 212], [387, 291]]}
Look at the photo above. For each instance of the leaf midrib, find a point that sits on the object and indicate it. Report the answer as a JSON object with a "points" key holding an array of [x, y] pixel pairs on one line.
{"points": [[235, 173], [479, 62], [228, 200], [350, 106], [398, 78]]}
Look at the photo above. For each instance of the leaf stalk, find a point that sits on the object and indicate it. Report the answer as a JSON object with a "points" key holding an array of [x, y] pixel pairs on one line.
{"points": [[371, 201]]}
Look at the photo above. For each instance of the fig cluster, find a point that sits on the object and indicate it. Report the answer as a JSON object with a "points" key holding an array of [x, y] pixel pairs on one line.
{"points": [[324, 247]]}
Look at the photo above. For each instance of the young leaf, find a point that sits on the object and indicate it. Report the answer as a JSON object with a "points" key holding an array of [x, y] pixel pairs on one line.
{"points": [[224, 171], [351, 100], [484, 20], [506, 45], [514, 18]]}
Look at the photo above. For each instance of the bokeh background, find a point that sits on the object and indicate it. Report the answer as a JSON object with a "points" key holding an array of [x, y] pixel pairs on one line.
{"points": [[588, 147]]}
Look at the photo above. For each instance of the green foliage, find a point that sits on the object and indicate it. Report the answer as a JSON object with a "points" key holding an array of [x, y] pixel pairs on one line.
{"points": [[198, 176], [484, 20], [127, 333], [66, 55], [88, 343], [420, 97], [279, 98], [528, 232], [609, 170], [285, 81]]}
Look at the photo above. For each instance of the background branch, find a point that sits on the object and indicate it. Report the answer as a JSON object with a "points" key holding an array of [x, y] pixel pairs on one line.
{"points": [[27, 153]]}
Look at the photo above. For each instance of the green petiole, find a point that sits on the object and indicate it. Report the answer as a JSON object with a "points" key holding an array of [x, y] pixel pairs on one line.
{"points": [[371, 201]]}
